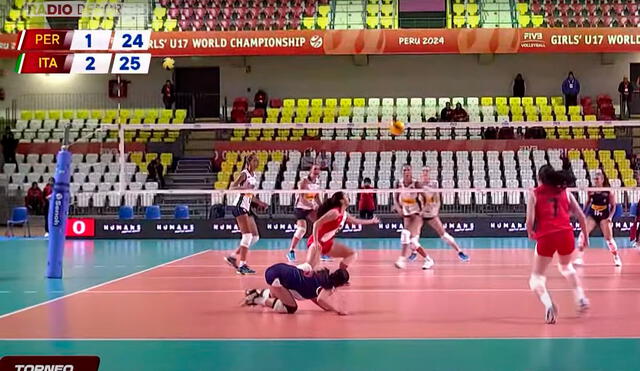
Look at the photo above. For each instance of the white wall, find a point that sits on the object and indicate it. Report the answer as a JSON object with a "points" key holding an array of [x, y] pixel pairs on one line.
{"points": [[439, 75]]}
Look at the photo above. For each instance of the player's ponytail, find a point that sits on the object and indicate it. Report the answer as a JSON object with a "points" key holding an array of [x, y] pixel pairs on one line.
{"points": [[339, 278], [555, 178], [331, 203], [247, 160]]}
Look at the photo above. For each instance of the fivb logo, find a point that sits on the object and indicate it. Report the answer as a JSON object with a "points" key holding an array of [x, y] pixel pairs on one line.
{"points": [[533, 40]]}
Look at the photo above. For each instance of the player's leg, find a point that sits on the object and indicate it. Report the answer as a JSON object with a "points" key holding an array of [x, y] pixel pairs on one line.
{"points": [[537, 281], [416, 231], [405, 241], [607, 232], [252, 228], [277, 298], [437, 226], [568, 271], [591, 224], [245, 240], [301, 229], [348, 255], [313, 256]]}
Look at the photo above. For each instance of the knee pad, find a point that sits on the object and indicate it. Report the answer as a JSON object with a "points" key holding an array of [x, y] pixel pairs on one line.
{"points": [[566, 270], [415, 241], [536, 281], [254, 239], [446, 237], [246, 240], [300, 231], [405, 237], [281, 307]]}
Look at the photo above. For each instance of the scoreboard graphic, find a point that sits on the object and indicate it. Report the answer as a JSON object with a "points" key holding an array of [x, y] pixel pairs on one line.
{"points": [[84, 52]]}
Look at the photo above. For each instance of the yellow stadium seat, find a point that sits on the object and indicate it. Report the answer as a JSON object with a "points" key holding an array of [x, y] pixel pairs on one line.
{"points": [[472, 9], [286, 119], [40, 115], [527, 101], [373, 10], [9, 26], [501, 101], [576, 117], [559, 110], [578, 132], [316, 102], [537, 20], [273, 112], [531, 110], [316, 111], [83, 114], [26, 115], [256, 120], [386, 9], [324, 10], [502, 110], [562, 118], [288, 111], [289, 102], [300, 119], [515, 101], [532, 118], [541, 101], [331, 102], [486, 101], [459, 21], [522, 8], [323, 22], [557, 101], [458, 9], [373, 22], [303, 102], [345, 102], [359, 102], [314, 119], [68, 114], [546, 110], [345, 111], [328, 120], [473, 21], [524, 20], [308, 23], [574, 110], [271, 120], [302, 112], [547, 118], [517, 118], [329, 112], [574, 154], [517, 110], [386, 22]]}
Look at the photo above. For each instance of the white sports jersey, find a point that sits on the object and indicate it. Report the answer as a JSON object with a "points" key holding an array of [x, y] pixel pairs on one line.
{"points": [[409, 202], [307, 201], [243, 200], [431, 206]]}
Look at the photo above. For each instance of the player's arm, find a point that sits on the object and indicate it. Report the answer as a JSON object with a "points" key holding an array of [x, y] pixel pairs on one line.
{"points": [[574, 208], [352, 220], [323, 302], [531, 213], [396, 201], [612, 205], [239, 180]]}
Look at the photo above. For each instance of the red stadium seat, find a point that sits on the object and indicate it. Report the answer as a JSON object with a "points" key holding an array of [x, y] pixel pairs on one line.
{"points": [[592, 9], [258, 112], [607, 21], [536, 8], [606, 9], [173, 13], [184, 24], [577, 8], [265, 24], [282, 12], [199, 13], [211, 24], [622, 21], [563, 9], [593, 20], [197, 24], [268, 12], [240, 13], [294, 24], [253, 12], [186, 13], [549, 9], [296, 11], [275, 103], [226, 12], [164, 3], [634, 20], [213, 12], [280, 23], [238, 116], [241, 103], [579, 21], [310, 10], [224, 25], [632, 8]]}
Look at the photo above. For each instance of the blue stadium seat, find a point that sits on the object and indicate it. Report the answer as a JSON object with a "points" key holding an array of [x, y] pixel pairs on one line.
{"points": [[19, 216], [125, 213], [182, 212], [152, 212]]}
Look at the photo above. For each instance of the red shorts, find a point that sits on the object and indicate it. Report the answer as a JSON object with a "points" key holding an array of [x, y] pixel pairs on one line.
{"points": [[325, 247], [563, 242]]}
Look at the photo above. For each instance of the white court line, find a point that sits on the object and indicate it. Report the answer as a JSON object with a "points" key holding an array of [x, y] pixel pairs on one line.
{"points": [[417, 274], [390, 265], [632, 289], [100, 285]]}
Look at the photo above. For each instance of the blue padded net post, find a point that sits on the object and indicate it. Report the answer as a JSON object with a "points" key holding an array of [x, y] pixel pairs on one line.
{"points": [[58, 213]]}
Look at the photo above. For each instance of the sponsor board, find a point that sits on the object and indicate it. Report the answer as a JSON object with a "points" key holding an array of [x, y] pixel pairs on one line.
{"points": [[482, 226]]}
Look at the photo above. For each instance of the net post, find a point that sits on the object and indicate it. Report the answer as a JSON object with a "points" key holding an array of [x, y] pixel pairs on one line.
{"points": [[121, 143], [58, 213]]}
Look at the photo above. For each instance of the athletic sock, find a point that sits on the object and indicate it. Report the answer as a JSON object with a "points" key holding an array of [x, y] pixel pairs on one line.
{"points": [[546, 300], [259, 300], [242, 262], [579, 293]]}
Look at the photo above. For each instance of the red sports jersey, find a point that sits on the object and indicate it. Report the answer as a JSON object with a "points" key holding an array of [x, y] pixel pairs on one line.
{"points": [[552, 211], [328, 231]]}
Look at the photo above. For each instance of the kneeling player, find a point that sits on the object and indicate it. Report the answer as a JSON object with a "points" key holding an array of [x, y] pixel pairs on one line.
{"points": [[288, 284]]}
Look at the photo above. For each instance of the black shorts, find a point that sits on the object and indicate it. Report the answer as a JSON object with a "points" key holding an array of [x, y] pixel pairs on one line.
{"points": [[598, 218], [237, 211], [301, 214], [428, 218]]}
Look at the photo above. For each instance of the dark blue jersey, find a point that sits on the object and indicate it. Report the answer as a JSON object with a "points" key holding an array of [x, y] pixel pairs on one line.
{"points": [[293, 279]]}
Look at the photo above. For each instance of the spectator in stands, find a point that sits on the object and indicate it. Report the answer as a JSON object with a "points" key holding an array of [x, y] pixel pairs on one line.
{"points": [[168, 94], [152, 172], [626, 91], [447, 113], [519, 86], [570, 89], [308, 159], [46, 196], [34, 198], [459, 114], [322, 160], [367, 201], [160, 173], [9, 146], [260, 100]]}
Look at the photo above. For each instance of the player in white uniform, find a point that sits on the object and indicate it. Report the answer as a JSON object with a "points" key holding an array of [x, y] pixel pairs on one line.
{"points": [[430, 214], [409, 206], [306, 207], [245, 218]]}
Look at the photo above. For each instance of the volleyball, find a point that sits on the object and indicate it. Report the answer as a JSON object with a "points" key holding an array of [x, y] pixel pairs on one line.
{"points": [[168, 63], [396, 128]]}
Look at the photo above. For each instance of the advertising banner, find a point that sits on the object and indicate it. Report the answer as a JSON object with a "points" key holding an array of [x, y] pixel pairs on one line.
{"points": [[464, 226], [396, 41]]}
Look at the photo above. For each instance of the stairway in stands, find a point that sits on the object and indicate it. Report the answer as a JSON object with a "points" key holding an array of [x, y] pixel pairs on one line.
{"points": [[349, 14], [496, 14], [190, 173]]}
